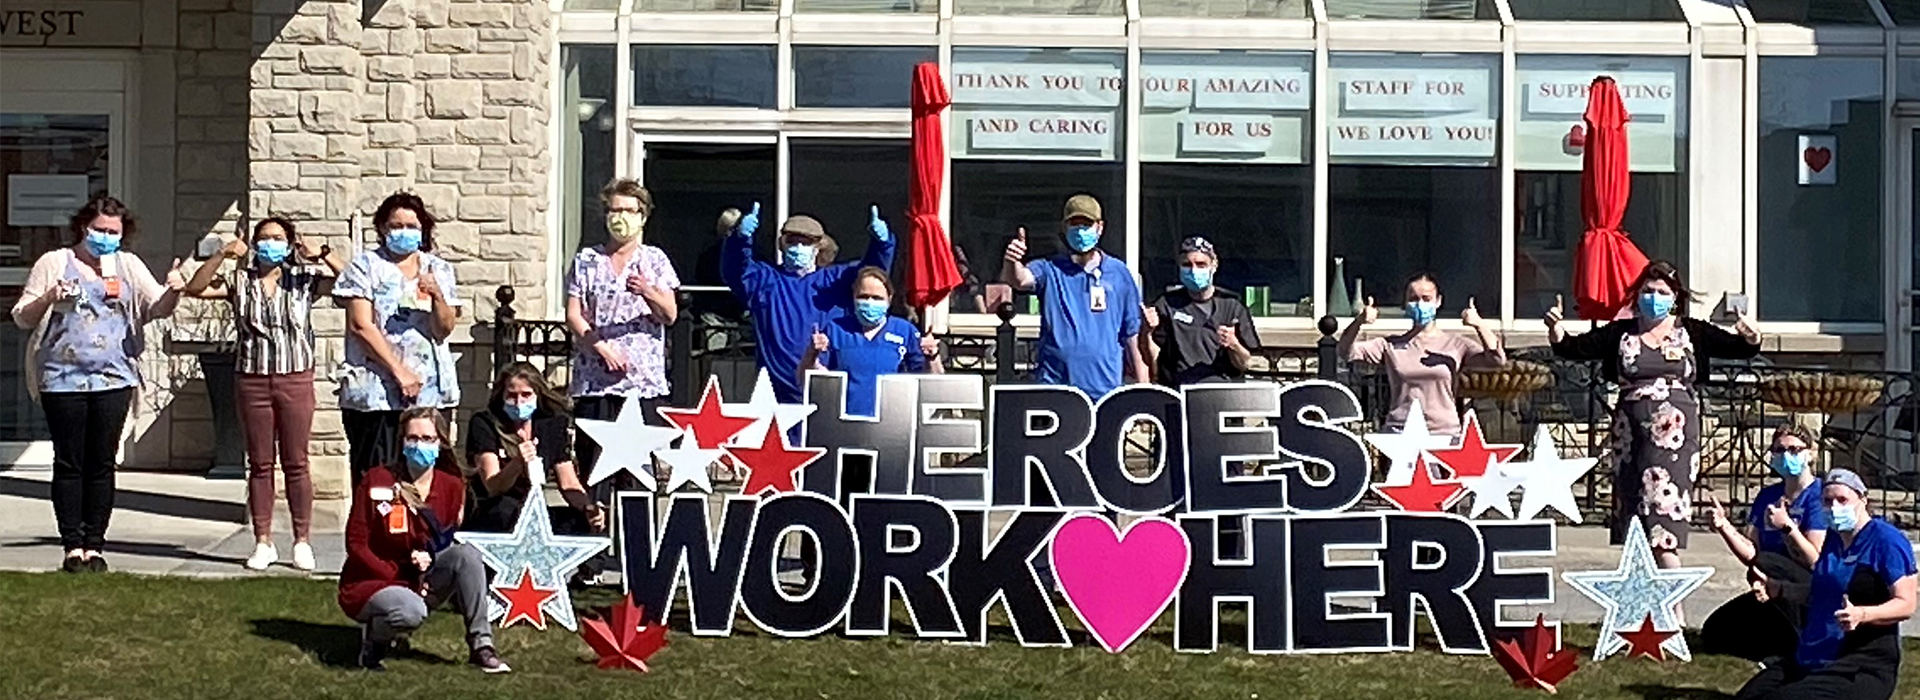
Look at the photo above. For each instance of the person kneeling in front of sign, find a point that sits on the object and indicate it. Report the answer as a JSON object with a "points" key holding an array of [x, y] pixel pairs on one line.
{"points": [[1089, 306], [1779, 543], [1863, 587], [401, 557]]}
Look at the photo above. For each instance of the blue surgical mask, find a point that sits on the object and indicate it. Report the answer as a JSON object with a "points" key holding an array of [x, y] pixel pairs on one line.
{"points": [[1196, 278], [421, 456], [271, 252], [1422, 312], [1844, 518], [1656, 306], [1788, 464], [101, 243], [403, 241], [798, 257], [1082, 238], [872, 312], [520, 412]]}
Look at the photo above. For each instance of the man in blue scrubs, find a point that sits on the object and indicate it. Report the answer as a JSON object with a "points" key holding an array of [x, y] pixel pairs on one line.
{"points": [[1089, 306], [788, 301], [1863, 588]]}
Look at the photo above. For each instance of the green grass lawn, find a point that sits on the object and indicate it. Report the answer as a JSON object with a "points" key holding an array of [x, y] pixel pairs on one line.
{"points": [[116, 636]]}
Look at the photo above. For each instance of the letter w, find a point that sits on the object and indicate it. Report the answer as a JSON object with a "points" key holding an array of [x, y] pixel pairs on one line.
{"points": [[683, 548]]}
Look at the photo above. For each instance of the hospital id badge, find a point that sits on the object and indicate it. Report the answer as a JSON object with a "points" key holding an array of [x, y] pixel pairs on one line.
{"points": [[397, 521], [1097, 298], [1672, 354]]}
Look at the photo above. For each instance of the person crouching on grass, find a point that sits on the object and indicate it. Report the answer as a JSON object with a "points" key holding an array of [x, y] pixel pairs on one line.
{"points": [[401, 559]]}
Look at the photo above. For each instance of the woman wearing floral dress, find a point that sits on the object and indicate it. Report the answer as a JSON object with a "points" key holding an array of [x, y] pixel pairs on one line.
{"points": [[1655, 357]]}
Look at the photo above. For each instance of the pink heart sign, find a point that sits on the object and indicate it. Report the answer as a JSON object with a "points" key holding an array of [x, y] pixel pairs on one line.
{"points": [[1119, 583]]}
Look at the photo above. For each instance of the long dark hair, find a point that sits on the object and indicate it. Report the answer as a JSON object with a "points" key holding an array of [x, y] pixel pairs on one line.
{"points": [[551, 402], [1664, 271], [410, 202], [449, 461], [100, 205]]}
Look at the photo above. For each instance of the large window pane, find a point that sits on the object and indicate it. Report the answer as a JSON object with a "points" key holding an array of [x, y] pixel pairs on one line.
{"points": [[1389, 223], [706, 5], [1548, 230], [993, 199], [1415, 109], [739, 75], [1226, 9], [1037, 103], [1604, 11], [1226, 106], [1819, 171], [1905, 13], [837, 181], [691, 184], [854, 76], [586, 140], [1039, 7], [865, 6], [1259, 217], [1412, 9], [1817, 11]]}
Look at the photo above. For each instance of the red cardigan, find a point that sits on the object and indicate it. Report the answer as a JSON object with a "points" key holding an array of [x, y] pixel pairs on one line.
{"points": [[378, 557]]}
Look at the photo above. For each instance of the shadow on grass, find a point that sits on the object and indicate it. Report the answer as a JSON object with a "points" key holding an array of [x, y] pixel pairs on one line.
{"points": [[337, 646], [1664, 692], [157, 550]]}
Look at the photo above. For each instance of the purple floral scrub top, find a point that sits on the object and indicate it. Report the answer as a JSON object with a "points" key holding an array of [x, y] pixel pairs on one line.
{"points": [[622, 318]]}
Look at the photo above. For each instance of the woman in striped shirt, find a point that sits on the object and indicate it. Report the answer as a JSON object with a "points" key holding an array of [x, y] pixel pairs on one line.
{"points": [[272, 291]]}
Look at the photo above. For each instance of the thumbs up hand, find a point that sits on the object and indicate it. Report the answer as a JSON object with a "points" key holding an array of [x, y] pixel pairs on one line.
{"points": [[1777, 516], [878, 227], [748, 223], [819, 340], [1017, 250], [1850, 616], [1471, 315], [1554, 314], [1369, 313]]}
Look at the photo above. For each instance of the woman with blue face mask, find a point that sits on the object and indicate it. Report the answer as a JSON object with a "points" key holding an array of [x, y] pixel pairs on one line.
{"points": [[1655, 357], [1779, 543], [1863, 587], [272, 291], [401, 306], [524, 430], [1421, 362], [869, 343]]}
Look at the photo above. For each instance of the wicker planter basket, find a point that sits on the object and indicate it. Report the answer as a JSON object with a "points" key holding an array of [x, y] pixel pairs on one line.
{"points": [[1808, 392], [1515, 379]]}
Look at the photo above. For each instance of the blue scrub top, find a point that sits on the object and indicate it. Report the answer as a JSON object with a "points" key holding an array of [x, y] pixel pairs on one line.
{"points": [[1081, 346], [896, 348], [786, 307], [1865, 571], [1807, 510]]}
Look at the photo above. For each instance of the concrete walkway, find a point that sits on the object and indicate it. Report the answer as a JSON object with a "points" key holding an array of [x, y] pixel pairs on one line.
{"points": [[176, 525]]}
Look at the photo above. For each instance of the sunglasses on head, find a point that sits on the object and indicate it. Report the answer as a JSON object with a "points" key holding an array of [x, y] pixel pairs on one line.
{"points": [[1794, 450]]}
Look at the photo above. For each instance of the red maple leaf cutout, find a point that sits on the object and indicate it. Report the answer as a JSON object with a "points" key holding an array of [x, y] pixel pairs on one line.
{"points": [[1533, 661], [1646, 641], [710, 425], [1424, 495], [621, 636], [1470, 458], [772, 464], [524, 601]]}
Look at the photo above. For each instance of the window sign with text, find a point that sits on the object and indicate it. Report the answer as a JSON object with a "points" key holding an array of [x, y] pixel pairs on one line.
{"points": [[1551, 133], [1414, 109], [1225, 106], [1037, 103]]}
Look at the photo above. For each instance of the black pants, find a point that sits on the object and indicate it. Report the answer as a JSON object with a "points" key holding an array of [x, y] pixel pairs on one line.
{"points": [[586, 453], [1852, 677], [1749, 629], [373, 438], [86, 441]]}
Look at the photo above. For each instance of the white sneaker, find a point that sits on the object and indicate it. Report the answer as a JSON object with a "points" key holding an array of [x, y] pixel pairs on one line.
{"points": [[264, 555], [303, 556]]}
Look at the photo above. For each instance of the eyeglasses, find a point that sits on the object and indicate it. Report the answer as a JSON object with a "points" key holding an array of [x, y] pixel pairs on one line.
{"points": [[1797, 449]]}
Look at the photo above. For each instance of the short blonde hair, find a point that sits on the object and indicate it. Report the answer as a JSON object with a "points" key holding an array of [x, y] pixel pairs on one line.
{"points": [[628, 187]]}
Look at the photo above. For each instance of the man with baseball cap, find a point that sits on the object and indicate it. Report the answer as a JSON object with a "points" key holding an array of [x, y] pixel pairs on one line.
{"points": [[1198, 332], [1089, 306], [787, 302]]}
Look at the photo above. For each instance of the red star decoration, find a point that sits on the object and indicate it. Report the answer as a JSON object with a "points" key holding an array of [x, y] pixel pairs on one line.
{"points": [[709, 424], [1424, 495], [772, 464], [1470, 458], [524, 601], [1646, 641]]}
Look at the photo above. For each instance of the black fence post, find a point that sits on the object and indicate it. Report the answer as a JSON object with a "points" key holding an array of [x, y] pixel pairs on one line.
{"points": [[680, 352], [506, 334], [1329, 348], [1004, 344]]}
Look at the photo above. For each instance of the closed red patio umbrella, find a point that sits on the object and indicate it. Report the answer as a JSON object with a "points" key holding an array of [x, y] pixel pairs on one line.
{"points": [[931, 274], [1608, 260]]}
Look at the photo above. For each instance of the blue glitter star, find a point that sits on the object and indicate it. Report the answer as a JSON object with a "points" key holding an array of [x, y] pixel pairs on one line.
{"points": [[532, 544], [1636, 590]]}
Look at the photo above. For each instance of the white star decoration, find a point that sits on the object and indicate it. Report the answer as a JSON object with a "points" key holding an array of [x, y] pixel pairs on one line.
{"points": [[687, 464], [627, 444], [533, 546], [1636, 590], [1407, 447], [1547, 480], [1492, 491], [762, 407]]}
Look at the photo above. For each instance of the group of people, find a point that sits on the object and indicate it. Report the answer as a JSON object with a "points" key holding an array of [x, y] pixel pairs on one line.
{"points": [[1843, 578]]}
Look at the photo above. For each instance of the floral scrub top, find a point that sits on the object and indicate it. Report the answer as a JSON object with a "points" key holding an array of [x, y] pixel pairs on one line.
{"points": [[407, 318], [622, 318], [89, 346]]}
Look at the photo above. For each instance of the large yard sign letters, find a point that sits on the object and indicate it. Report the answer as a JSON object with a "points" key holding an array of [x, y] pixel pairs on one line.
{"points": [[951, 543]]}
